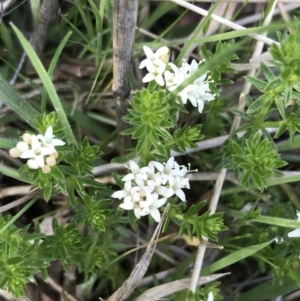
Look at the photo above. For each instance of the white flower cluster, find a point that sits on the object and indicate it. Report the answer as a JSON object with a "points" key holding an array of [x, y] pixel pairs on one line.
{"points": [[38, 149], [157, 65], [146, 189]]}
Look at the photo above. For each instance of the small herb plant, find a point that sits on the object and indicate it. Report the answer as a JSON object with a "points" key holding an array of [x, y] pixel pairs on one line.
{"points": [[55, 161]]}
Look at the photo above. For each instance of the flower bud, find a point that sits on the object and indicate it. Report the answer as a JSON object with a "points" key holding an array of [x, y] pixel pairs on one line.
{"points": [[27, 138], [50, 161], [46, 169], [54, 155]]}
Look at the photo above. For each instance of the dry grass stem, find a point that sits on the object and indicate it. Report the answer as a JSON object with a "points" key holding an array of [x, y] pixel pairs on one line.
{"points": [[221, 177], [20, 201], [124, 17], [159, 292], [223, 21], [140, 269]]}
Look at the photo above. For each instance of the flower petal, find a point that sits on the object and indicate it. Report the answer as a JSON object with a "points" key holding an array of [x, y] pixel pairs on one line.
{"points": [[155, 214], [32, 164], [295, 233], [148, 78], [210, 296], [149, 53], [127, 206], [180, 194]]}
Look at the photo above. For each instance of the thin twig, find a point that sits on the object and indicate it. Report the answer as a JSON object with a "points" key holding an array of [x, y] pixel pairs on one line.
{"points": [[139, 271], [242, 1], [14, 190], [257, 17], [223, 21], [201, 145], [20, 201], [221, 177], [47, 16]]}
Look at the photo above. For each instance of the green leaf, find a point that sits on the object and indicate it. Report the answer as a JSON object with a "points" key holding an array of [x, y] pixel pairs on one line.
{"points": [[48, 84], [273, 85], [47, 192], [6, 143], [259, 84], [13, 173], [15, 260], [18, 104], [52, 66], [269, 290], [124, 158], [57, 174], [234, 257], [93, 183], [259, 102], [280, 106], [267, 72]]}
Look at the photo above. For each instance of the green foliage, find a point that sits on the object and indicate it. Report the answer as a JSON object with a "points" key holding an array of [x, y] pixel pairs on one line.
{"points": [[253, 161], [82, 158], [65, 244], [286, 56], [94, 236], [93, 213], [18, 257], [223, 65], [152, 116], [191, 222]]}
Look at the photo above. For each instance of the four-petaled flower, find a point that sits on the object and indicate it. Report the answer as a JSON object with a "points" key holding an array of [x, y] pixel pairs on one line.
{"points": [[156, 64], [48, 138]]}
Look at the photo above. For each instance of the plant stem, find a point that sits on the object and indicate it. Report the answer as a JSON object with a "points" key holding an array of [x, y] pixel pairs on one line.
{"points": [[220, 179]]}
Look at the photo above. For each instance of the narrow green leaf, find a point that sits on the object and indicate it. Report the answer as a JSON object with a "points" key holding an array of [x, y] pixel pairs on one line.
{"points": [[269, 290], [259, 102], [12, 173], [47, 192], [6, 143], [57, 174], [280, 106], [259, 84], [47, 82], [124, 158], [273, 84], [267, 72], [234, 257], [53, 63], [23, 210], [17, 103]]}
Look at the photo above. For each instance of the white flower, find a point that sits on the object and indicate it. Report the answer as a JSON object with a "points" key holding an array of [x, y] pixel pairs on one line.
{"points": [[197, 92], [296, 232], [156, 64], [210, 296], [147, 188], [137, 173], [48, 138], [37, 151], [151, 205], [162, 54], [156, 71]]}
